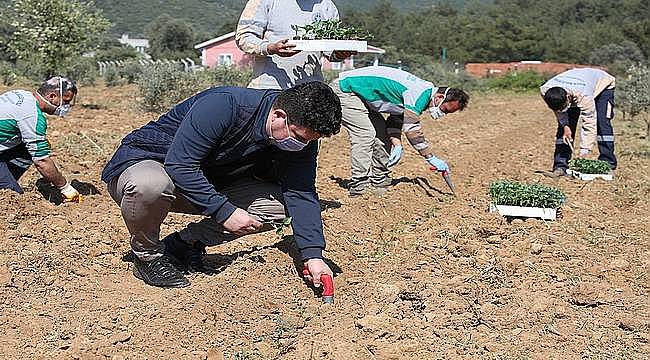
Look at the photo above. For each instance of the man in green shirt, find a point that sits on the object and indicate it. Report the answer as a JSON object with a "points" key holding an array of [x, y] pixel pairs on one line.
{"points": [[23, 128], [368, 92]]}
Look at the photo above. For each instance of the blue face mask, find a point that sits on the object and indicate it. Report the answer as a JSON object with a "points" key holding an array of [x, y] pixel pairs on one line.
{"points": [[289, 143]]}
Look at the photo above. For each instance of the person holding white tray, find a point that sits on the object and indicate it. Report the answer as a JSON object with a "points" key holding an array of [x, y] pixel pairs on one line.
{"points": [[264, 29]]}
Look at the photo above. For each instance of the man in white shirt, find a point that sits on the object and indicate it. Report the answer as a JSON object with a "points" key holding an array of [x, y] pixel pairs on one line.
{"points": [[582, 94]]}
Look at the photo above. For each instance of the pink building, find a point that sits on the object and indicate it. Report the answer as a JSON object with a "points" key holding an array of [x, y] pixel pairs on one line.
{"points": [[223, 50]]}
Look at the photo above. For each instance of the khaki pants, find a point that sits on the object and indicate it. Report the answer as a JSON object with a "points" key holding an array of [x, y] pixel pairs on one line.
{"points": [[145, 194], [370, 143]]}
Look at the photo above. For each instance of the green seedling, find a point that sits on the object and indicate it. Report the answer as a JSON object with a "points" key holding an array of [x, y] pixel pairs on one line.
{"points": [[279, 225], [587, 166], [329, 29], [513, 193]]}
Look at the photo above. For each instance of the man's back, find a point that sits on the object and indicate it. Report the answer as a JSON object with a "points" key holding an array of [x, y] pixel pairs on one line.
{"points": [[586, 81], [235, 111], [387, 89], [21, 121]]}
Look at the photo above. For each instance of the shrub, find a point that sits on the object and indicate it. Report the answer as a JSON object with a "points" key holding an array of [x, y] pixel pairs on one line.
{"points": [[634, 94], [83, 70], [131, 71], [125, 74], [112, 76], [164, 85], [8, 74], [517, 81], [588, 166], [226, 76], [513, 193]]}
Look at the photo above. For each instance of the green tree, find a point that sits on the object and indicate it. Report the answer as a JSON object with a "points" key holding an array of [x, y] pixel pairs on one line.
{"points": [[170, 38], [617, 57], [51, 34], [634, 94]]}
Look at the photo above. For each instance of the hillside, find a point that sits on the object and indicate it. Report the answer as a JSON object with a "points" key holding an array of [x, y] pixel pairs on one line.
{"points": [[207, 16]]}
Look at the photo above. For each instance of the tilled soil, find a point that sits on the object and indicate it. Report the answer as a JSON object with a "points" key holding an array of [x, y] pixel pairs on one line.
{"points": [[420, 274]]}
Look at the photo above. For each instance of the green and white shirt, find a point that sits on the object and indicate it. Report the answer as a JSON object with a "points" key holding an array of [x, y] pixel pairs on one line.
{"points": [[388, 90], [22, 122]]}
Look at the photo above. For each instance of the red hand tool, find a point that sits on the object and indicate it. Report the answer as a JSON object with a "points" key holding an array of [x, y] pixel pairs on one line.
{"points": [[328, 286], [445, 175]]}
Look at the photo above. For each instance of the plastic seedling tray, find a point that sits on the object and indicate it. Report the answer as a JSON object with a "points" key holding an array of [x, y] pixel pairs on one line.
{"points": [[521, 211], [587, 177], [330, 45]]}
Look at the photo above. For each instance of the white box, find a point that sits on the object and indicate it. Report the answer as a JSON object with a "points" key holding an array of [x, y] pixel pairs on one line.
{"points": [[581, 176], [330, 45], [521, 211]]}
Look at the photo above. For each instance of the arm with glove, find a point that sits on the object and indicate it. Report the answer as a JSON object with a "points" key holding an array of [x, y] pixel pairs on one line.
{"points": [[40, 150], [394, 125], [47, 168], [413, 131]]}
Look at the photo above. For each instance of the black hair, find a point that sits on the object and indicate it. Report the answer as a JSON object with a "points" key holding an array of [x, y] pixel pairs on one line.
{"points": [[312, 105], [555, 98], [52, 85], [454, 94]]}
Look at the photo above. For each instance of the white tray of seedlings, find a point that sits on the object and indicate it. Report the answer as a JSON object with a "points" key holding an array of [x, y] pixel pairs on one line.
{"points": [[586, 169], [515, 199], [330, 45], [329, 35]]}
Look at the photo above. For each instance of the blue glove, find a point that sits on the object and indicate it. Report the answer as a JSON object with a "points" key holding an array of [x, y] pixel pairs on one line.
{"points": [[395, 155], [438, 164]]}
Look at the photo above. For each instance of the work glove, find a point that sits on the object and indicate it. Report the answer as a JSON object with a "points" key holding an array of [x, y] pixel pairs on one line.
{"points": [[438, 164], [70, 194], [395, 155]]}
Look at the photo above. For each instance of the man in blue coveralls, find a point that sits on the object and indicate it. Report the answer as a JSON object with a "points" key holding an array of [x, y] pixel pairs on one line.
{"points": [[241, 157]]}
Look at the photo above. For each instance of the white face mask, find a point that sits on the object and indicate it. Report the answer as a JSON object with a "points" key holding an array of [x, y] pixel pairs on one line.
{"points": [[436, 112], [63, 109], [289, 143]]}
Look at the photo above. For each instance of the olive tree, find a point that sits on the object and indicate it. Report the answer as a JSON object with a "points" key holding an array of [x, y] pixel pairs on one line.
{"points": [[634, 94], [52, 34]]}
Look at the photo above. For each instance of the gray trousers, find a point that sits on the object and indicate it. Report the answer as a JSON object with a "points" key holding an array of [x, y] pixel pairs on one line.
{"points": [[370, 142], [146, 194]]}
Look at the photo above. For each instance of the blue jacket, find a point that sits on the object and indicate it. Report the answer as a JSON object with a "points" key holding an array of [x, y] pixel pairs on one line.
{"points": [[218, 136]]}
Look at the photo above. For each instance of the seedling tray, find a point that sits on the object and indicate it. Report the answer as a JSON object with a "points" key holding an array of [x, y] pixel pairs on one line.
{"points": [[521, 211], [330, 45], [588, 177]]}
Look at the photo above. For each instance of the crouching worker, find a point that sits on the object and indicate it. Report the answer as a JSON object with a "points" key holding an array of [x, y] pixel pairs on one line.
{"points": [[581, 94], [240, 157], [366, 94], [23, 132]]}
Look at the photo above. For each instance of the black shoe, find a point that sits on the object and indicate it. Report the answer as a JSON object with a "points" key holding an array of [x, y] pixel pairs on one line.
{"points": [[187, 258], [159, 272]]}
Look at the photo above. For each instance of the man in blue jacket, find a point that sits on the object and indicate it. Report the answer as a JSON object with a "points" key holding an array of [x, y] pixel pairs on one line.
{"points": [[240, 157]]}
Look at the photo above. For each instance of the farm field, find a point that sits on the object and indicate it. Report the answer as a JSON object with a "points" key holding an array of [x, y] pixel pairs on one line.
{"points": [[420, 274]]}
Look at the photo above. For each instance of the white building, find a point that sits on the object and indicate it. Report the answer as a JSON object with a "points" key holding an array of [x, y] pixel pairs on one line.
{"points": [[141, 45]]}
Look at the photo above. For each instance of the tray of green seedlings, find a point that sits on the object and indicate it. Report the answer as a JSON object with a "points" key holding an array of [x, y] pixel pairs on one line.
{"points": [[329, 35], [586, 169], [515, 199]]}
